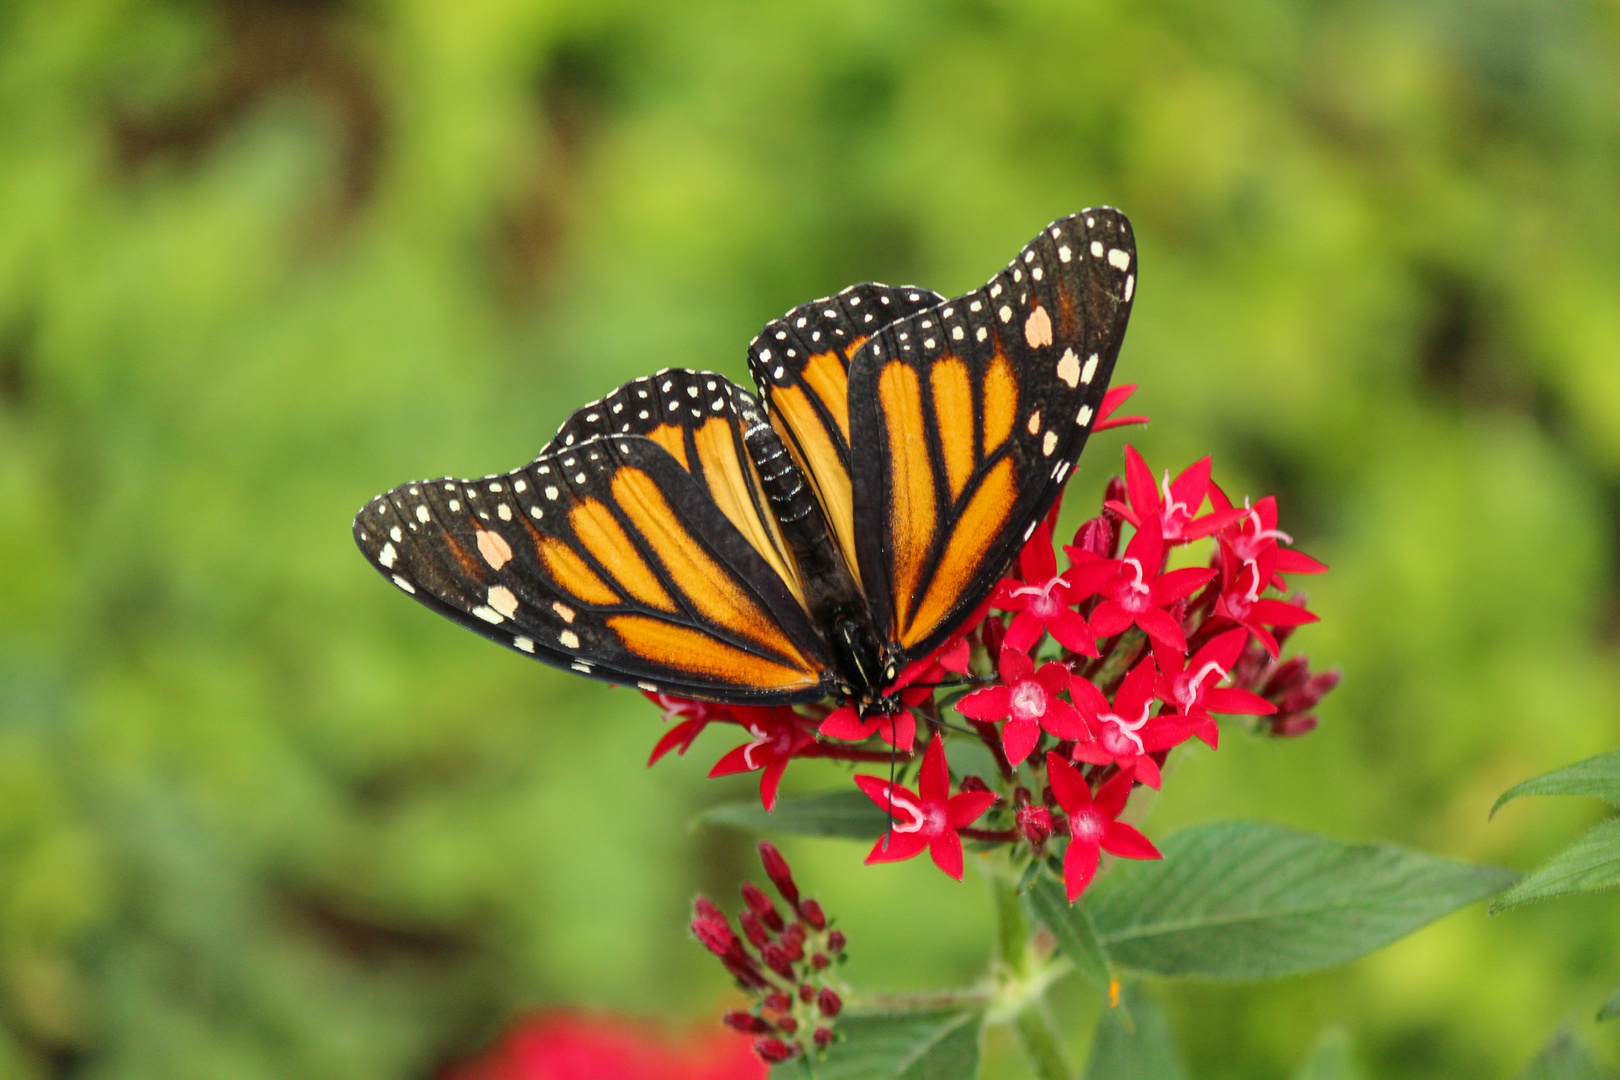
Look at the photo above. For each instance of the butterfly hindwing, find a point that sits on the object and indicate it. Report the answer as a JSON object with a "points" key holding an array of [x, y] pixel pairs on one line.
{"points": [[801, 363], [610, 557], [966, 419]]}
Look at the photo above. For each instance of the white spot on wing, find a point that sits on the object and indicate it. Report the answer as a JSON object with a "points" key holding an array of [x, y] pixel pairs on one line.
{"points": [[523, 643], [402, 583], [1035, 422], [1049, 443], [1096, 249], [1038, 328], [1120, 259], [502, 600], [489, 615], [1068, 369], [563, 610], [422, 513], [494, 548], [1083, 417], [1130, 285], [569, 639], [1089, 370], [388, 555]]}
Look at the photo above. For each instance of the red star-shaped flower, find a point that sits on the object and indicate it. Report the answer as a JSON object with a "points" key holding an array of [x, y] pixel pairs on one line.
{"points": [[778, 734], [1174, 503], [1043, 600], [1028, 700], [691, 718], [1113, 399], [1193, 689], [1124, 733], [927, 818], [1134, 590], [1093, 827], [1242, 582], [1253, 532]]}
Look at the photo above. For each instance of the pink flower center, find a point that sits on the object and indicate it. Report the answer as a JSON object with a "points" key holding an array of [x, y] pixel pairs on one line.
{"points": [[1247, 545], [1087, 825], [1119, 735], [1134, 594], [1041, 603], [1189, 688], [928, 820], [1028, 701], [774, 743], [1175, 514]]}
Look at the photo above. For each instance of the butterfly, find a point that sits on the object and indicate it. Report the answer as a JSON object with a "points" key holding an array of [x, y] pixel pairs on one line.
{"points": [[813, 540]]}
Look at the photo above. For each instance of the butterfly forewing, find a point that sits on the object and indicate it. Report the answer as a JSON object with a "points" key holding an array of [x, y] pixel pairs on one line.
{"points": [[801, 363], [966, 419], [610, 557]]}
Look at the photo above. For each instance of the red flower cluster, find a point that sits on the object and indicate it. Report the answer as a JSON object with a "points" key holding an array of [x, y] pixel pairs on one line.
{"points": [[785, 963], [569, 1046], [1146, 648]]}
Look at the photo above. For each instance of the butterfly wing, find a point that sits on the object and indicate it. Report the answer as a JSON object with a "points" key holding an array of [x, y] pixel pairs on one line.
{"points": [[613, 557], [966, 419], [801, 364]]}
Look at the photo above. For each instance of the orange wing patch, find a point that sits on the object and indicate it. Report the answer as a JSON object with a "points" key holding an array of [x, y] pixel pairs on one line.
{"points": [[697, 652], [972, 536], [704, 583], [729, 484], [953, 408], [599, 531], [818, 459], [911, 492], [572, 573], [673, 439], [825, 375], [1000, 404]]}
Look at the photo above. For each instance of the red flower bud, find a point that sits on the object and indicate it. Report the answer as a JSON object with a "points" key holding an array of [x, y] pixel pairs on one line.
{"points": [[761, 905], [788, 1025], [1115, 491], [1097, 537], [1286, 676], [755, 932], [812, 914], [823, 1038], [806, 992], [993, 633], [777, 869], [1306, 695], [745, 971], [835, 942], [704, 908], [772, 1051], [819, 961], [1291, 726], [972, 783], [1034, 824], [829, 1003], [777, 960], [715, 934], [778, 1001], [747, 1023]]}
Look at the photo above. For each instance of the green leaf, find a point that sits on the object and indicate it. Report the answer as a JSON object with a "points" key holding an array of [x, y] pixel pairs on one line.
{"points": [[1072, 926], [848, 814], [934, 1045], [1590, 864], [1244, 900], [1331, 1060], [1611, 1008], [1137, 1046], [1564, 1058], [1599, 776]]}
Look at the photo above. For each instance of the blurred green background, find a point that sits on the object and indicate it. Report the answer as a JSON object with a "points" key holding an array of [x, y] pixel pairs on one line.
{"points": [[260, 816]]}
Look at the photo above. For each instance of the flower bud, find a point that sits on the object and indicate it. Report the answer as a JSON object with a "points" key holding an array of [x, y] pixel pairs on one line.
{"points": [[1034, 824], [788, 1025], [772, 1051], [824, 1038], [715, 935], [757, 937], [829, 1003], [745, 971], [777, 869], [835, 942], [807, 993], [778, 1001], [703, 908], [793, 943], [761, 905], [972, 783], [1290, 726], [819, 961], [776, 959], [1097, 537], [1115, 491], [812, 914], [1286, 676], [993, 634], [745, 1022], [1313, 690], [1251, 664]]}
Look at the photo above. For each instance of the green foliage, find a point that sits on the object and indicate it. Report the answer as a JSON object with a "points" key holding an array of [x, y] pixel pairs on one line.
{"points": [[1243, 900], [848, 814], [899, 1045], [1134, 1042], [1598, 776], [1330, 1060], [1564, 1058], [1590, 864], [1071, 925]]}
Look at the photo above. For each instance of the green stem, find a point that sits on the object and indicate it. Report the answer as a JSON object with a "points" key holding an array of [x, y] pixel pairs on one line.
{"points": [[1022, 974]]}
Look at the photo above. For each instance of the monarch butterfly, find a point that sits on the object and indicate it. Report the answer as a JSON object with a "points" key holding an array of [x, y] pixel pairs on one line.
{"points": [[695, 539]]}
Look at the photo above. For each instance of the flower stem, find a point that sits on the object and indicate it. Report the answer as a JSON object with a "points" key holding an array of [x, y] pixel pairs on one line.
{"points": [[1022, 974]]}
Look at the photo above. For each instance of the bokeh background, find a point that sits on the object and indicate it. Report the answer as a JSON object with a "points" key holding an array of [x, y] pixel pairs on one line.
{"points": [[262, 817]]}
